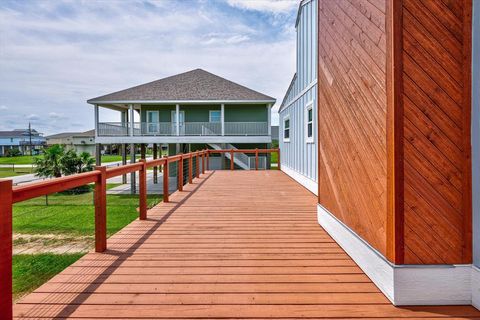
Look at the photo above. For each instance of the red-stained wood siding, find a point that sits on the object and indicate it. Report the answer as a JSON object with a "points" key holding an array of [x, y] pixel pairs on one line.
{"points": [[436, 131], [352, 116], [394, 125]]}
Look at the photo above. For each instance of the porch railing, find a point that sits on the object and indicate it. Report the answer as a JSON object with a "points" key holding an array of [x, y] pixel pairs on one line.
{"points": [[10, 194], [108, 129]]}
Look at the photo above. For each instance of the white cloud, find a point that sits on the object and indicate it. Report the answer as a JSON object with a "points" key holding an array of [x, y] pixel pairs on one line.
{"points": [[57, 116], [3, 108], [275, 6], [33, 117]]}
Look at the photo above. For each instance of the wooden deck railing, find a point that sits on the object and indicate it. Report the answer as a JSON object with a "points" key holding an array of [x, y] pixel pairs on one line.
{"points": [[10, 194]]}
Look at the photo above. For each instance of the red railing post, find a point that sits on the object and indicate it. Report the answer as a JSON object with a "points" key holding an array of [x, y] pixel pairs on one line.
{"points": [[256, 159], [6, 204], [101, 210], [232, 164], [142, 191], [203, 161], [180, 174], [190, 168], [208, 159], [166, 191]]}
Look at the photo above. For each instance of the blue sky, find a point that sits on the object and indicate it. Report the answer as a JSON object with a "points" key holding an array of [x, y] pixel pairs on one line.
{"points": [[54, 55]]}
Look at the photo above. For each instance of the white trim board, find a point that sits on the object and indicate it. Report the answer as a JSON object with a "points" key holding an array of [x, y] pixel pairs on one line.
{"points": [[298, 96], [308, 183], [476, 287], [405, 284]]}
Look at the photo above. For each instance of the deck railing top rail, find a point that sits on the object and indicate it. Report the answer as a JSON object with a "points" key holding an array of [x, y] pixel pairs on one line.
{"points": [[10, 194]]}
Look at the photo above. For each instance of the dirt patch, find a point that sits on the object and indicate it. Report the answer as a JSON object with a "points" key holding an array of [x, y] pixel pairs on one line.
{"points": [[50, 243]]}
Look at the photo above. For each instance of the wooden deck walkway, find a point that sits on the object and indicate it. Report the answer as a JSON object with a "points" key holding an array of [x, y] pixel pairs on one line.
{"points": [[240, 244]]}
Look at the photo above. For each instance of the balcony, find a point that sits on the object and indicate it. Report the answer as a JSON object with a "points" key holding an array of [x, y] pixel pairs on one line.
{"points": [[121, 129]]}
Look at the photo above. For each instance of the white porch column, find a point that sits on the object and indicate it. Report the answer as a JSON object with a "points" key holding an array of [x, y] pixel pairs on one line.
{"points": [[269, 121], [177, 119], [222, 118], [96, 113], [132, 121]]}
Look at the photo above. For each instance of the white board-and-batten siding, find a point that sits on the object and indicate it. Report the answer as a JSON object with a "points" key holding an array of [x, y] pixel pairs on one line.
{"points": [[299, 155]]}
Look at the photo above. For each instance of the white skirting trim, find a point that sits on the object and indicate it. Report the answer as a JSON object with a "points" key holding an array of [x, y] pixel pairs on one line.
{"points": [[476, 287], [406, 284], [308, 183]]}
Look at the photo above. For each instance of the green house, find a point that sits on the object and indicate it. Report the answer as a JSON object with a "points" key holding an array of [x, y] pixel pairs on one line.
{"points": [[188, 111]]}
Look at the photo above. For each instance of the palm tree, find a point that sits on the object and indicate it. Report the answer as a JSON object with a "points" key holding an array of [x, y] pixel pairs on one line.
{"points": [[50, 165], [56, 162]]}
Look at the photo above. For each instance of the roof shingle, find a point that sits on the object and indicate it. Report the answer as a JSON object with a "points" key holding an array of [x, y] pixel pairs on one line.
{"points": [[195, 85]]}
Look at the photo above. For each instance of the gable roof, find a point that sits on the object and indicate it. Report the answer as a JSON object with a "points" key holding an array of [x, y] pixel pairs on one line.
{"points": [[194, 85], [89, 133], [16, 133], [287, 94]]}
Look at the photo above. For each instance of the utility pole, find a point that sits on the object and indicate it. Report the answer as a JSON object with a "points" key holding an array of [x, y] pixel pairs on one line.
{"points": [[30, 136]]}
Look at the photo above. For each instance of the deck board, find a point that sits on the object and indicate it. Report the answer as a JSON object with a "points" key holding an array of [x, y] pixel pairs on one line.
{"points": [[240, 244]]}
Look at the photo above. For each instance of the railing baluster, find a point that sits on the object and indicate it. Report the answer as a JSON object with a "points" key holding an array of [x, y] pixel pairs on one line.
{"points": [[180, 174], [190, 168], [6, 242], [256, 159], [142, 192], [197, 165], [165, 180], [203, 161], [232, 162], [101, 210]]}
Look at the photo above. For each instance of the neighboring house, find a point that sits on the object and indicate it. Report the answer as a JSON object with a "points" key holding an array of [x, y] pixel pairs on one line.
{"points": [[78, 141], [189, 111], [393, 134], [298, 111], [21, 139]]}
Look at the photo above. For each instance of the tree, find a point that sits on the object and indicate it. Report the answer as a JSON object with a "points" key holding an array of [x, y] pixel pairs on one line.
{"points": [[57, 162], [50, 166]]}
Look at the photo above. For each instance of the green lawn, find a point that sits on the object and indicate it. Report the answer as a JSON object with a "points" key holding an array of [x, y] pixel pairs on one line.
{"points": [[32, 270], [111, 158], [74, 214], [8, 172], [274, 157], [17, 160]]}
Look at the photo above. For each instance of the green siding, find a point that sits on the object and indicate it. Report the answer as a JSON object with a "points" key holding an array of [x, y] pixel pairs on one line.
{"points": [[165, 112], [246, 113]]}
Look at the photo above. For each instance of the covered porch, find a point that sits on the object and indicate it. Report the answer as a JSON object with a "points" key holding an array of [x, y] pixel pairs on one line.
{"points": [[233, 244]]}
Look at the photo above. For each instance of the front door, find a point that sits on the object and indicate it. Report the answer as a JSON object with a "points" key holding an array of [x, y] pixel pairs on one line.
{"points": [[181, 122], [153, 120]]}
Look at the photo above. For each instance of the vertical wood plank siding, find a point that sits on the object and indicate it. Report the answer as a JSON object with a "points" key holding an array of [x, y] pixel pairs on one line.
{"points": [[298, 155], [352, 116], [436, 106]]}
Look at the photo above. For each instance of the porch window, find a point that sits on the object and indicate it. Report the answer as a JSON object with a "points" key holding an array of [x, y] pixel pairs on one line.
{"points": [[309, 122], [286, 130], [215, 116]]}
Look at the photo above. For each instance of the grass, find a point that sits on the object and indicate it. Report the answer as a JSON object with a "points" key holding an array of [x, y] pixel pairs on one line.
{"points": [[111, 158], [17, 160], [274, 157], [8, 172], [32, 270], [74, 214]]}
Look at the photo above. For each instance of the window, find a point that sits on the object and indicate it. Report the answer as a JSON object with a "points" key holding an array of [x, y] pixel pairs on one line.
{"points": [[215, 116], [286, 129], [309, 122]]}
